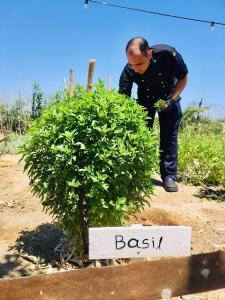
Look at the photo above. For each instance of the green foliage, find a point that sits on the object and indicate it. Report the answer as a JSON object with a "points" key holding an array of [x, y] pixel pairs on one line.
{"points": [[205, 126], [202, 153], [191, 114], [194, 120], [15, 117], [59, 96], [90, 160], [158, 105], [38, 101], [201, 148]]}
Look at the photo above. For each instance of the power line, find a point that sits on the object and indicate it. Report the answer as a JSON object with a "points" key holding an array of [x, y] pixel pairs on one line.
{"points": [[212, 23]]}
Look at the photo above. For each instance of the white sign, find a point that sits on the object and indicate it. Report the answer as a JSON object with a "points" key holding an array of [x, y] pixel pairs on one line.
{"points": [[139, 241]]}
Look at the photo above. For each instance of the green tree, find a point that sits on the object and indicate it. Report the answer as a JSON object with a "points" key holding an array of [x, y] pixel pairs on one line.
{"points": [[37, 101]]}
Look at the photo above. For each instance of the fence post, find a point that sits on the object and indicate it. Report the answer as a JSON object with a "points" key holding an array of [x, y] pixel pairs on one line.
{"points": [[71, 82], [64, 83], [110, 82], [90, 74]]}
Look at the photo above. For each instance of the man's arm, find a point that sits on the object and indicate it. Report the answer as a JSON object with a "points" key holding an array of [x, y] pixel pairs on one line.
{"points": [[179, 71], [175, 94], [126, 82], [178, 89]]}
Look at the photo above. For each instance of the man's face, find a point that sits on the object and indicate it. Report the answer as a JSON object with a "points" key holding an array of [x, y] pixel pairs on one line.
{"points": [[138, 61]]}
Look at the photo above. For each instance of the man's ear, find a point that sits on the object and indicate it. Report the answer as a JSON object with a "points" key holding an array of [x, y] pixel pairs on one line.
{"points": [[149, 53]]}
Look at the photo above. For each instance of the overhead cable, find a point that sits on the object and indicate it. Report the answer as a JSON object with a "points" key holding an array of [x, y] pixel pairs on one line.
{"points": [[212, 23]]}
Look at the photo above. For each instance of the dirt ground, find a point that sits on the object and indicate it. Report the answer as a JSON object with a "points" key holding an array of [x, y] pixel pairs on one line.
{"points": [[28, 236]]}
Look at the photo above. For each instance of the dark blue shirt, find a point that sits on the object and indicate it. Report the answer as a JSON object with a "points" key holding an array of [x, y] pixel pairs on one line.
{"points": [[157, 82]]}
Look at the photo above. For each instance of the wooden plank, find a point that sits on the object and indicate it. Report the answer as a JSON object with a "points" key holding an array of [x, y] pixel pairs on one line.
{"points": [[141, 280]]}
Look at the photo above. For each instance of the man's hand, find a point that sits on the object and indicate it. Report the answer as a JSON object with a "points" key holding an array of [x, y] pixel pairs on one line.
{"points": [[168, 105]]}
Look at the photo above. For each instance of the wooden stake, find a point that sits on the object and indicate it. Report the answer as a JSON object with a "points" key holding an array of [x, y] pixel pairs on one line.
{"points": [[90, 74], [64, 83], [110, 82], [71, 82]]}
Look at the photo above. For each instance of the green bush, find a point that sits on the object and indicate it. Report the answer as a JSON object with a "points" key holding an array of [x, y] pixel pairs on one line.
{"points": [[90, 160]]}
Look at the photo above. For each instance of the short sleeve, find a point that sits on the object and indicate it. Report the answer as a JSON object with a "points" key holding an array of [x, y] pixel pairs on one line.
{"points": [[179, 68], [126, 82]]}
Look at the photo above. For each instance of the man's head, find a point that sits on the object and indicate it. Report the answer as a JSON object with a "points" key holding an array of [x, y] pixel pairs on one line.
{"points": [[138, 54]]}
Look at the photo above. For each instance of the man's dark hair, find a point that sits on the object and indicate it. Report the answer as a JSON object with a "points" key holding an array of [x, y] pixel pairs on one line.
{"points": [[141, 42]]}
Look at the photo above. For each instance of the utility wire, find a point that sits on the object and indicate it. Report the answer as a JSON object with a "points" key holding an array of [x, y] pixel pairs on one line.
{"points": [[212, 23]]}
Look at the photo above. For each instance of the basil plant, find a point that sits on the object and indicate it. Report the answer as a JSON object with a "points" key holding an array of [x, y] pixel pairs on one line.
{"points": [[90, 159]]}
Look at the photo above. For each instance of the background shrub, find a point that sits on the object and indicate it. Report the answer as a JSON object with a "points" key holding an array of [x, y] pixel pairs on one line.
{"points": [[201, 150]]}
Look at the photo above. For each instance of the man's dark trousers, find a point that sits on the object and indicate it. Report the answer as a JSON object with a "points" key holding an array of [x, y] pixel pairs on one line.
{"points": [[169, 124]]}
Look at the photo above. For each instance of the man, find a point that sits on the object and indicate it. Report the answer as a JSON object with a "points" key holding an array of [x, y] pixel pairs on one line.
{"points": [[160, 73]]}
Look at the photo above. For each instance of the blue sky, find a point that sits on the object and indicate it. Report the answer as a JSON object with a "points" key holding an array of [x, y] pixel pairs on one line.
{"points": [[41, 40]]}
